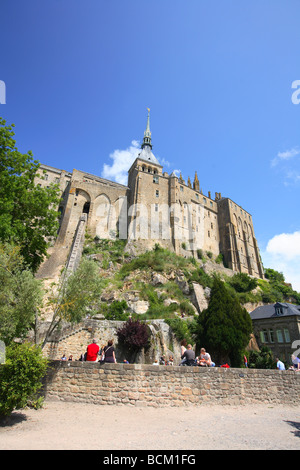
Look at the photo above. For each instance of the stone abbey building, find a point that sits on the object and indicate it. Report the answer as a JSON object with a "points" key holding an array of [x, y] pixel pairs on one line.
{"points": [[154, 207]]}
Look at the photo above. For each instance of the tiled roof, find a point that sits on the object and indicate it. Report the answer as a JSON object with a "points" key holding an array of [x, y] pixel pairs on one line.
{"points": [[279, 309]]}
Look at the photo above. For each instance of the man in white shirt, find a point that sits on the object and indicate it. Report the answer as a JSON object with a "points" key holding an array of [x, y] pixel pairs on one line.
{"points": [[280, 365]]}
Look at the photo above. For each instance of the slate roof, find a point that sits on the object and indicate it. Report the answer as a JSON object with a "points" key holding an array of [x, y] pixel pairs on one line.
{"points": [[269, 311], [146, 155]]}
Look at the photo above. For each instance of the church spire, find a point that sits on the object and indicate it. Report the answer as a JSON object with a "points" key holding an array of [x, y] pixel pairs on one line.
{"points": [[196, 184], [147, 133]]}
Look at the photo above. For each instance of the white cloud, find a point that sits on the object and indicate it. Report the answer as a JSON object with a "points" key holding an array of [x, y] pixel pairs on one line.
{"points": [[285, 244], [284, 156], [288, 154], [122, 161], [291, 177], [164, 162], [283, 254]]}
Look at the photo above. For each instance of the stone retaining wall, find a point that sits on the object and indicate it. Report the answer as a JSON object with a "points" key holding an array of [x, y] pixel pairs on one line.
{"points": [[150, 385]]}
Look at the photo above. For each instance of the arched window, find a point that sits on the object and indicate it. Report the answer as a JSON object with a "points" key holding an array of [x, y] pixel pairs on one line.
{"points": [[86, 207]]}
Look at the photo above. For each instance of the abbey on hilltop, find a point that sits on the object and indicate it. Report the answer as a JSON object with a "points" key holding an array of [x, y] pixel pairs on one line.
{"points": [[154, 207]]}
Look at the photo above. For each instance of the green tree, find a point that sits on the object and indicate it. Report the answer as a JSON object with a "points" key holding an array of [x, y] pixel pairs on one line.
{"points": [[28, 212], [241, 282], [75, 297], [273, 275], [20, 295], [224, 328], [20, 376]]}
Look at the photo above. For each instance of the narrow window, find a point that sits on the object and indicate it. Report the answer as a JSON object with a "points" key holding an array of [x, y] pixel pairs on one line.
{"points": [[287, 335], [264, 336], [279, 336]]}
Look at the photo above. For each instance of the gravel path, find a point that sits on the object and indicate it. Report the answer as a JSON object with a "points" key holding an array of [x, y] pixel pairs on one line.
{"points": [[74, 426]]}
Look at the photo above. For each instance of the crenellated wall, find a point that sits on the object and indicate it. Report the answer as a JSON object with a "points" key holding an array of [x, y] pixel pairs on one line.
{"points": [[151, 385]]}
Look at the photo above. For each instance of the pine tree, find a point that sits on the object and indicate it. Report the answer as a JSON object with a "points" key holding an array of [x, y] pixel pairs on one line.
{"points": [[224, 328]]}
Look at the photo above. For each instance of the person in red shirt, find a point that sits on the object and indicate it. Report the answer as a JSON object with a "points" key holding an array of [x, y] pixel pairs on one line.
{"points": [[92, 351]]}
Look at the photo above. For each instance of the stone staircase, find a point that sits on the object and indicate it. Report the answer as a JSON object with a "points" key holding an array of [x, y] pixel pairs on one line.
{"points": [[77, 246]]}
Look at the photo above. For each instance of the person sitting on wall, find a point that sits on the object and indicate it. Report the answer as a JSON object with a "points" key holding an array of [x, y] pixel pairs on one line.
{"points": [[205, 359], [189, 356], [162, 360], [183, 345], [92, 351], [109, 353], [296, 362]]}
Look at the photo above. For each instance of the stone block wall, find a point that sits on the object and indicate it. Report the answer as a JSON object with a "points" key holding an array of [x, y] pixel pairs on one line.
{"points": [[151, 385]]}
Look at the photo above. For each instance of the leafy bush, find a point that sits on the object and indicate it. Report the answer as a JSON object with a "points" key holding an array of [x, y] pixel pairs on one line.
{"points": [[117, 311], [200, 276], [241, 282], [180, 329], [186, 307], [262, 359], [20, 377], [112, 250], [134, 335], [158, 259], [219, 259], [277, 290], [273, 275]]}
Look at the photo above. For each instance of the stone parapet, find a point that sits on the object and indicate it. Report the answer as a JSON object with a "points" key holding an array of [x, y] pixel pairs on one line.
{"points": [[151, 385]]}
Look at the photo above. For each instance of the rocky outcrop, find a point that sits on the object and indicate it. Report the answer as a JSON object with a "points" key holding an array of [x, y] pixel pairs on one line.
{"points": [[200, 296], [158, 279]]}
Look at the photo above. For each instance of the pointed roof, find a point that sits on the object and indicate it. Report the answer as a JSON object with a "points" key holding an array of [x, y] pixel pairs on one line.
{"points": [[146, 153], [147, 133]]}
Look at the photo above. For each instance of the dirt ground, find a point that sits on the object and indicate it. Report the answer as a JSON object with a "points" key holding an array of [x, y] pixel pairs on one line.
{"points": [[78, 426]]}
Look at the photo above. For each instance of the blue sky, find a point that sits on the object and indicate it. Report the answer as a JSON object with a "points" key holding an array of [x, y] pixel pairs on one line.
{"points": [[79, 75]]}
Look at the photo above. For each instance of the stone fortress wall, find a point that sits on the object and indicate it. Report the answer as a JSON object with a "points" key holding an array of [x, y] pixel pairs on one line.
{"points": [[151, 385], [155, 207]]}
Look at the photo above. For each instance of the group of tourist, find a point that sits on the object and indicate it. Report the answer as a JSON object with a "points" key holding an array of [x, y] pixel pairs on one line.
{"points": [[96, 354], [188, 356], [106, 354]]}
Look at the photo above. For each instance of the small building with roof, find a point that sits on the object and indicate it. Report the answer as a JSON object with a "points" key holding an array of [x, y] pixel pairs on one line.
{"points": [[278, 327]]}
